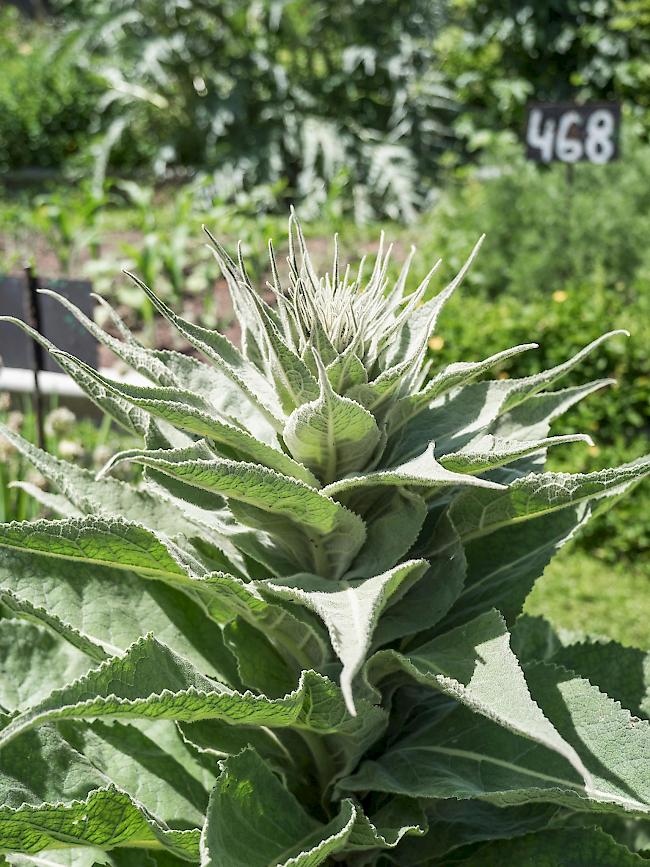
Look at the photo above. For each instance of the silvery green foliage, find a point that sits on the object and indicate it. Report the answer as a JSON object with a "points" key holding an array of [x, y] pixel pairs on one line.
{"points": [[299, 639]]}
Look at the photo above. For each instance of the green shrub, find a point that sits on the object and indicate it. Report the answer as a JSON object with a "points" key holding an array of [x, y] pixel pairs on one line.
{"points": [[303, 622], [543, 227], [559, 262], [46, 103]]}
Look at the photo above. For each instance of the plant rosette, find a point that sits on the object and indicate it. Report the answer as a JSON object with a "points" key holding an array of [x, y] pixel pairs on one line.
{"points": [[297, 639]]}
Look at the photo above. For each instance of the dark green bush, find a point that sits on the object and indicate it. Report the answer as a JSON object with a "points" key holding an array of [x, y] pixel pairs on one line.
{"points": [[564, 260], [46, 103]]}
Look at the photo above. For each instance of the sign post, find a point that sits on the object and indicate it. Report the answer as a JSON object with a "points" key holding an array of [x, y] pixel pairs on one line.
{"points": [[570, 133]]}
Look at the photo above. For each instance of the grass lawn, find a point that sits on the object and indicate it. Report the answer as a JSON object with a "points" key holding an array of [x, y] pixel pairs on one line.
{"points": [[582, 593]]}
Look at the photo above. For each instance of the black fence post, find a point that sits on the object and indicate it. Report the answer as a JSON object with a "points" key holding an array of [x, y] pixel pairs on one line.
{"points": [[34, 319]]}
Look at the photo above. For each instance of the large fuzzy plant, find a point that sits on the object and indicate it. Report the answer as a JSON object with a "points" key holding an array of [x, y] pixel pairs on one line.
{"points": [[298, 639]]}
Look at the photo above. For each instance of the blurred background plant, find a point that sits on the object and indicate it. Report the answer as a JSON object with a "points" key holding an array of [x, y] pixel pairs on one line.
{"points": [[127, 124]]}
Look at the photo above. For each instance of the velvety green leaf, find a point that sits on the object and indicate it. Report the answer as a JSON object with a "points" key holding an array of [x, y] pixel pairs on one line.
{"points": [[55, 797], [42, 767], [226, 597], [226, 357], [475, 512], [503, 566], [460, 755], [145, 361], [613, 744], [350, 610], [454, 375], [475, 665], [453, 824], [33, 661], [433, 595], [489, 451], [332, 534], [253, 821], [105, 818], [104, 541], [422, 472], [520, 389], [129, 417], [283, 749], [398, 818], [572, 847], [260, 666], [151, 762], [105, 496], [192, 413], [393, 519], [332, 435], [623, 673], [71, 599], [151, 682], [532, 419]]}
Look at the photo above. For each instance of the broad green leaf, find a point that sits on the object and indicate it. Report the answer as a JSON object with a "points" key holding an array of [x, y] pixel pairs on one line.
{"points": [[253, 821], [227, 597], [572, 846], [42, 767], [345, 372], [475, 512], [129, 417], [151, 682], [613, 744], [393, 520], [110, 542], [489, 451], [33, 661], [350, 610], [325, 533], [102, 610], [53, 797], [18, 606], [458, 374], [105, 818], [192, 413], [475, 665], [533, 418], [91, 856], [332, 435], [421, 472], [284, 749], [460, 755], [105, 496], [219, 391], [261, 667], [458, 823], [520, 389], [480, 408], [145, 361], [433, 595], [54, 503], [149, 761], [226, 357], [502, 566], [396, 819], [623, 673]]}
